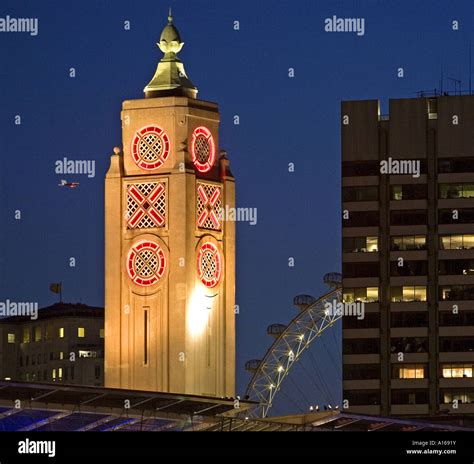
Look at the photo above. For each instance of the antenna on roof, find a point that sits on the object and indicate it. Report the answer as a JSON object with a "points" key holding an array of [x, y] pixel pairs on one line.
{"points": [[456, 83], [470, 70], [441, 80]]}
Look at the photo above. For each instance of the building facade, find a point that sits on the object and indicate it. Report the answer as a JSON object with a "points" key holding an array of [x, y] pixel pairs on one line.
{"points": [[169, 254], [408, 254], [65, 344]]}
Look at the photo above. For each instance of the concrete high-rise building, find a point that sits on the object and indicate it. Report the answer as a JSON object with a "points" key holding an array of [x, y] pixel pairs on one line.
{"points": [[408, 254], [169, 253]]}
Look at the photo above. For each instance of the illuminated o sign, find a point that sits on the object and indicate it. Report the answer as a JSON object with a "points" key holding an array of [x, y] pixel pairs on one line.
{"points": [[203, 149], [146, 263], [209, 263], [150, 147]]}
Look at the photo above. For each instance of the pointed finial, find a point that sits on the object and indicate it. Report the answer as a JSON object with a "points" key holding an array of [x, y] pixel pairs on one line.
{"points": [[170, 77]]}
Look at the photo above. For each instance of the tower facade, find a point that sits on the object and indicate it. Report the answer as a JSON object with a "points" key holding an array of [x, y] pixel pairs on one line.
{"points": [[169, 254]]}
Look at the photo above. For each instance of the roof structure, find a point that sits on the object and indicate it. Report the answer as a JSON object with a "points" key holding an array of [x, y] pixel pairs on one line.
{"points": [[51, 407], [59, 310]]}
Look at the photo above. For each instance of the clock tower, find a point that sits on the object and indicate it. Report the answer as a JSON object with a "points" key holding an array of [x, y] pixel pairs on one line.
{"points": [[169, 253]]}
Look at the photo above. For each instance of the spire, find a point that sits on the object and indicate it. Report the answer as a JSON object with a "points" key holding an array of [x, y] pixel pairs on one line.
{"points": [[170, 77]]}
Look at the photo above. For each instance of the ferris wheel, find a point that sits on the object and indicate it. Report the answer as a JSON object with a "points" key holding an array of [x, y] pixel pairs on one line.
{"points": [[290, 342]]}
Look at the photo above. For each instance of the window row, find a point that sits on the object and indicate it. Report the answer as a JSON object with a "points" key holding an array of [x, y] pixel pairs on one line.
{"points": [[372, 397], [407, 371], [367, 244], [408, 192], [410, 319], [368, 168], [460, 396], [408, 293], [408, 396], [43, 358], [407, 345], [36, 334], [401, 268], [456, 242], [60, 373], [455, 165], [360, 244], [454, 191], [372, 167], [397, 192], [56, 374], [408, 217]]}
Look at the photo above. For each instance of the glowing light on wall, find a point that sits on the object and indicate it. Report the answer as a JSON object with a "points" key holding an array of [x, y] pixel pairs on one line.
{"points": [[150, 147], [146, 263], [203, 149], [209, 264], [199, 310]]}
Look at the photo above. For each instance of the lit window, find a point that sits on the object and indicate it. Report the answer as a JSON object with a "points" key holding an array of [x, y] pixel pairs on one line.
{"points": [[26, 335], [61, 332], [450, 191], [468, 241], [460, 397], [468, 191], [457, 242], [101, 333], [420, 293], [372, 294], [81, 332], [54, 374], [457, 371], [87, 354], [363, 294], [60, 373], [372, 244], [359, 244], [419, 242], [11, 338], [412, 372], [408, 294], [397, 193], [61, 355], [408, 243], [37, 334]]}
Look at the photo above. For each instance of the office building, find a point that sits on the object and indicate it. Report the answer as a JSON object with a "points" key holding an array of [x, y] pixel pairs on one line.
{"points": [[408, 254]]}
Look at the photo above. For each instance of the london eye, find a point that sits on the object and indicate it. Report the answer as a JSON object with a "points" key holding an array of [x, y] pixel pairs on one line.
{"points": [[291, 342]]}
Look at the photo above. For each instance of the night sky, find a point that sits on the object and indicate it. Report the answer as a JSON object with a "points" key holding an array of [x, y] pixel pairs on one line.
{"points": [[282, 120]]}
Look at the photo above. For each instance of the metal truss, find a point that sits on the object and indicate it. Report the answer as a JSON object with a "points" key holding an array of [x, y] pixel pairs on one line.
{"points": [[288, 347]]}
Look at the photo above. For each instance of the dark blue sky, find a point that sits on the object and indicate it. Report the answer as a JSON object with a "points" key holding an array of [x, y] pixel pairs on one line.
{"points": [[282, 120]]}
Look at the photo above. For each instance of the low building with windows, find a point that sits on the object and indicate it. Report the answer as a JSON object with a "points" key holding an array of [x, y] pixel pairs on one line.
{"points": [[65, 344]]}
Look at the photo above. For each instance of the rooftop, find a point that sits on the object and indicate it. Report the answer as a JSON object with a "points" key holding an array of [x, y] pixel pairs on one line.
{"points": [[59, 310]]}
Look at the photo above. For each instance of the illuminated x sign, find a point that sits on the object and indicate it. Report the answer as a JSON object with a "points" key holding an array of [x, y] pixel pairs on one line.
{"points": [[148, 204], [208, 205]]}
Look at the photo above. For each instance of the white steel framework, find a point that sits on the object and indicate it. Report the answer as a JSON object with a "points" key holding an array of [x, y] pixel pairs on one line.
{"points": [[303, 330]]}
